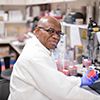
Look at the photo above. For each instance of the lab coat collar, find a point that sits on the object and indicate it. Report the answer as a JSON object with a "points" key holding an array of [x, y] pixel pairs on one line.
{"points": [[36, 41]]}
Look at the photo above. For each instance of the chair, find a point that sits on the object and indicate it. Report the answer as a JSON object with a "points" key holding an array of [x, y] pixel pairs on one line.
{"points": [[0, 67], [4, 89], [4, 85]]}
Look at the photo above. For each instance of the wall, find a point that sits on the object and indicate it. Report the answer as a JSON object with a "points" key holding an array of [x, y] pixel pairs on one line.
{"points": [[87, 7], [74, 5]]}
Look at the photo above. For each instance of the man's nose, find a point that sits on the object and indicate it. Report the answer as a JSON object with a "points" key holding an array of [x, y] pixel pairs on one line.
{"points": [[56, 36]]}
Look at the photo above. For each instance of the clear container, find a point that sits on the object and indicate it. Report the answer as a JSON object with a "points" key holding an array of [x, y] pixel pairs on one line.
{"points": [[86, 63]]}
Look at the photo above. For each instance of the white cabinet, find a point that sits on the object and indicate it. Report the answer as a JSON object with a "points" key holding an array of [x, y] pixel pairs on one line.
{"points": [[14, 19], [34, 2], [16, 2], [12, 2], [2, 2]]}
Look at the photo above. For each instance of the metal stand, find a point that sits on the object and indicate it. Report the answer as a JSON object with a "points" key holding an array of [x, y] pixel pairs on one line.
{"points": [[93, 48], [90, 46]]}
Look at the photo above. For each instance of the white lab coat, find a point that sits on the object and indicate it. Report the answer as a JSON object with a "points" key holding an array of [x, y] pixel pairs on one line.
{"points": [[35, 77]]}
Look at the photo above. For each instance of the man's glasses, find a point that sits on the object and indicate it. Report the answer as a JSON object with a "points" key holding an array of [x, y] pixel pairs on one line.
{"points": [[52, 31]]}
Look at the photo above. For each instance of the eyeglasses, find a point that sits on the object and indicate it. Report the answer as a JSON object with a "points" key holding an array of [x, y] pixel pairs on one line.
{"points": [[52, 31]]}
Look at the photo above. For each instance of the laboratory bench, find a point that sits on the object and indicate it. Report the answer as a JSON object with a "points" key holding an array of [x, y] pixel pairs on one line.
{"points": [[8, 42], [8, 55]]}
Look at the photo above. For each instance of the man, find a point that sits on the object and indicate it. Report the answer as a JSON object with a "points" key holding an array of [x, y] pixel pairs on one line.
{"points": [[35, 76]]}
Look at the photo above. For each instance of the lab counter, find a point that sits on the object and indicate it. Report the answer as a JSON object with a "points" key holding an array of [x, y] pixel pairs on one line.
{"points": [[10, 43], [7, 48]]}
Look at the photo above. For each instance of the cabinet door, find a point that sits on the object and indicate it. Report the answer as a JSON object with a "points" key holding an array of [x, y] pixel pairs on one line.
{"points": [[30, 2], [2, 2], [15, 2]]}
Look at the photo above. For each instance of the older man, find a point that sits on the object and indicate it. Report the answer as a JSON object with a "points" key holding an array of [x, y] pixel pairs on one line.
{"points": [[35, 76]]}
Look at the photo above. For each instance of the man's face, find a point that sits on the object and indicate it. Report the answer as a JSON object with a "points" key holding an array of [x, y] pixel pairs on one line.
{"points": [[49, 36]]}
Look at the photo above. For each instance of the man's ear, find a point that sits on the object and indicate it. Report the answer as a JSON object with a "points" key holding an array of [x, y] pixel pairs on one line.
{"points": [[37, 31]]}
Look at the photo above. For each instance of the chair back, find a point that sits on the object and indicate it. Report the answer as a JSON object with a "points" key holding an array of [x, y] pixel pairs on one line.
{"points": [[4, 89]]}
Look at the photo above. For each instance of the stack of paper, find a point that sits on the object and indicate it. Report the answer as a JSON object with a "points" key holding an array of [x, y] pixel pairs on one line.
{"points": [[15, 15]]}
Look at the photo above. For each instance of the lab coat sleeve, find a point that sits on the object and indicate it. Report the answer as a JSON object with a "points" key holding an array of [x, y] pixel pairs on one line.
{"points": [[54, 84]]}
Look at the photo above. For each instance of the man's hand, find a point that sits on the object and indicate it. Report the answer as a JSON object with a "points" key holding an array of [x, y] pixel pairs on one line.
{"points": [[89, 78]]}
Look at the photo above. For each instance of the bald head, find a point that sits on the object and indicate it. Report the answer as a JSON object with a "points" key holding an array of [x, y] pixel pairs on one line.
{"points": [[48, 31], [46, 21]]}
